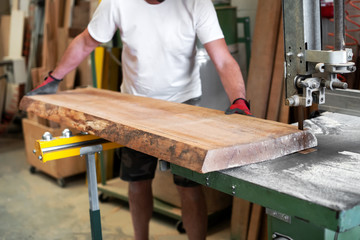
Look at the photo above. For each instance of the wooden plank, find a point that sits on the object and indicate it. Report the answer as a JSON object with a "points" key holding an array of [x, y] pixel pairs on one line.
{"points": [[15, 5], [49, 48], [17, 23], [2, 97], [255, 222], [264, 227], [277, 81], [67, 13], [45, 34], [197, 138], [51, 35], [14, 91], [5, 33], [284, 110], [35, 76], [262, 55], [240, 219]]}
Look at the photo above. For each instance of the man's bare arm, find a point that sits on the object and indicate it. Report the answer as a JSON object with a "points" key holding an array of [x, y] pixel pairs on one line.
{"points": [[76, 52], [227, 68]]}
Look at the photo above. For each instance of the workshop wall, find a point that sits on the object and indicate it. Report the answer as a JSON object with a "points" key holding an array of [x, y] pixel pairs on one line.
{"points": [[246, 8]]}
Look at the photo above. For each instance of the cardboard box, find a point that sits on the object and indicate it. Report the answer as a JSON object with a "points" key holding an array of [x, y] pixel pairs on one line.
{"points": [[57, 168]]}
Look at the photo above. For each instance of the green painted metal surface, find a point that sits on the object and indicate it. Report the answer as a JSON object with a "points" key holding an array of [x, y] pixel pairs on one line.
{"points": [[297, 229], [246, 38], [95, 224], [300, 229], [353, 234], [320, 216], [350, 217], [228, 23]]}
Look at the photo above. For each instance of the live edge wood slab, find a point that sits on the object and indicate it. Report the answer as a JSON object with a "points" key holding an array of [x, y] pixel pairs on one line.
{"points": [[197, 138]]}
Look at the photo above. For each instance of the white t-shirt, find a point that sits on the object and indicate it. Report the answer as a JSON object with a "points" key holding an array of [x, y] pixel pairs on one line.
{"points": [[159, 43]]}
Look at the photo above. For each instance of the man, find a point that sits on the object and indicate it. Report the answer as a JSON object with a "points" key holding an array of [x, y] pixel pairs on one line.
{"points": [[158, 60]]}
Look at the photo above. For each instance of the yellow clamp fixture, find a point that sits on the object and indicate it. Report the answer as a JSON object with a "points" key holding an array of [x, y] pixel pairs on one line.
{"points": [[51, 148]]}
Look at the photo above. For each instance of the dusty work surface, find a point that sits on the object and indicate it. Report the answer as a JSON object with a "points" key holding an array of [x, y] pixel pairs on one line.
{"points": [[197, 138], [328, 177]]}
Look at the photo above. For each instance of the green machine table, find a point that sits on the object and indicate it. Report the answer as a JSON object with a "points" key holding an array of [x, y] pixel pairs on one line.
{"points": [[306, 196]]}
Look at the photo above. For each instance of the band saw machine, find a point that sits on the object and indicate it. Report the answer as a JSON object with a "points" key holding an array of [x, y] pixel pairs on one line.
{"points": [[315, 195], [308, 69]]}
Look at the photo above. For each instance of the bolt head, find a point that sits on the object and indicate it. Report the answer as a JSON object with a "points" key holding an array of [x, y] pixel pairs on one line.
{"points": [[66, 133], [47, 136]]}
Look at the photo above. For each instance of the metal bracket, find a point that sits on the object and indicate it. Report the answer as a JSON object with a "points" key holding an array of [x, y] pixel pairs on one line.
{"points": [[279, 236], [164, 165], [278, 215]]}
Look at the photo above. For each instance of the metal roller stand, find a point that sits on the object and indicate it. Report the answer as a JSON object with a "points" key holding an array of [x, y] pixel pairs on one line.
{"points": [[95, 218]]}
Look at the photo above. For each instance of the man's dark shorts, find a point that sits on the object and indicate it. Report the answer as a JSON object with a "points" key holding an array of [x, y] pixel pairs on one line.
{"points": [[137, 166]]}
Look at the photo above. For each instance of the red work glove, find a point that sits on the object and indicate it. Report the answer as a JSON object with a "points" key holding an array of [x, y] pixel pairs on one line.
{"points": [[49, 86], [240, 106]]}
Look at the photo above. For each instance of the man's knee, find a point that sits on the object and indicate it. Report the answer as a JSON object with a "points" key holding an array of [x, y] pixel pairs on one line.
{"points": [[191, 194], [184, 182], [140, 186]]}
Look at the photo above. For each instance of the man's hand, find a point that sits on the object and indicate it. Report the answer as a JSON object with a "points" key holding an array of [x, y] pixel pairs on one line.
{"points": [[240, 106], [49, 86]]}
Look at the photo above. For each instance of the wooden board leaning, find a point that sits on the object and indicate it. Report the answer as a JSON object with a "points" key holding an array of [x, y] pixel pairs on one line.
{"points": [[197, 138]]}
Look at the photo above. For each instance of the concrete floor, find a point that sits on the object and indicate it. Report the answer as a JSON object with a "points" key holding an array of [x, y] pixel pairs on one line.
{"points": [[33, 206]]}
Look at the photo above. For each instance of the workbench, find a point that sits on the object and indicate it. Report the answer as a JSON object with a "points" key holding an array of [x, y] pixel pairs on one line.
{"points": [[307, 196]]}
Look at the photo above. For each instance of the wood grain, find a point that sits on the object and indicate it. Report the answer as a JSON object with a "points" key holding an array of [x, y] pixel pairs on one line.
{"points": [[263, 55], [255, 222], [277, 82], [197, 138], [240, 217]]}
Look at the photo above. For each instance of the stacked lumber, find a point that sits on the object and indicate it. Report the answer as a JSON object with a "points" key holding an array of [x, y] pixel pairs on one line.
{"points": [[57, 34], [263, 54], [4, 49], [266, 92], [11, 38], [57, 27], [265, 84], [34, 37], [39, 35]]}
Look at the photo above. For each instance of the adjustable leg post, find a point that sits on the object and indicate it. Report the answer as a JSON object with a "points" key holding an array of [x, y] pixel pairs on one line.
{"points": [[95, 218]]}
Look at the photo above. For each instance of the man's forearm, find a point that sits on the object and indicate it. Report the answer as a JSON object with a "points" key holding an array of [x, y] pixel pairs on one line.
{"points": [[232, 80], [76, 52], [227, 68]]}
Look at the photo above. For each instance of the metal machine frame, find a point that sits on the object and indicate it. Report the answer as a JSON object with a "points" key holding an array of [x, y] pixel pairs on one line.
{"points": [[308, 68]]}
